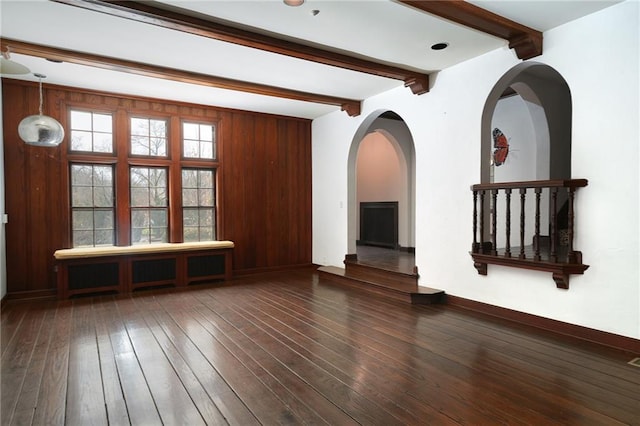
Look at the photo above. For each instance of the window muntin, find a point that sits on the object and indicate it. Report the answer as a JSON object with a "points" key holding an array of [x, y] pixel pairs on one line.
{"points": [[92, 205], [199, 140], [149, 205], [198, 205], [91, 132], [148, 137]]}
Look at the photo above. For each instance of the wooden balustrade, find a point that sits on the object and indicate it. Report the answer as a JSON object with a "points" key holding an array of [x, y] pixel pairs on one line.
{"points": [[553, 252]]}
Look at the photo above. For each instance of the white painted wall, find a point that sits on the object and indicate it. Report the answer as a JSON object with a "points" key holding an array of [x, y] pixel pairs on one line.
{"points": [[598, 56]]}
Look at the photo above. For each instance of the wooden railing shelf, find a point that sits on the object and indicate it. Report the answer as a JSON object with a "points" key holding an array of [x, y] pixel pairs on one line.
{"points": [[553, 252]]}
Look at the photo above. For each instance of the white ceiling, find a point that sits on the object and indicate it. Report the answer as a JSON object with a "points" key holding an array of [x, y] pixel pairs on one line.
{"points": [[380, 30]]}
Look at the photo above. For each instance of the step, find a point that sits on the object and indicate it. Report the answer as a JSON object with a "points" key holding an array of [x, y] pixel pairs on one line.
{"points": [[383, 277], [418, 295]]}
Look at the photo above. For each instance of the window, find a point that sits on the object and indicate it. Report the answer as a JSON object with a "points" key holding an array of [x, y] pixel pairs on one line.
{"points": [[148, 137], [198, 141], [123, 186], [149, 205], [91, 132], [198, 205], [92, 205]]}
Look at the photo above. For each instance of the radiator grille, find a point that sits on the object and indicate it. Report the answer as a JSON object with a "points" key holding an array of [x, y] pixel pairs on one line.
{"points": [[93, 276], [202, 266], [145, 271]]}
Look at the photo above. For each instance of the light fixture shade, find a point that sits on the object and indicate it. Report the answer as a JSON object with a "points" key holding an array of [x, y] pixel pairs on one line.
{"points": [[41, 130], [293, 3], [7, 66]]}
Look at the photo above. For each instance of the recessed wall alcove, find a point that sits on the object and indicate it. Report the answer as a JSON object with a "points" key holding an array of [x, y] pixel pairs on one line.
{"points": [[382, 169]]}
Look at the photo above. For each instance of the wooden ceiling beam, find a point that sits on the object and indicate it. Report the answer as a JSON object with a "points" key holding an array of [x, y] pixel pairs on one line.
{"points": [[147, 13], [351, 106], [526, 41]]}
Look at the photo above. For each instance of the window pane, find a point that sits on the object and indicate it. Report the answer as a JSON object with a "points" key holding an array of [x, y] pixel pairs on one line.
{"points": [[102, 123], [91, 132], [206, 133], [190, 217], [103, 196], [205, 197], [82, 196], [148, 137], [190, 131], [158, 218], [140, 126], [102, 142], [82, 220], [205, 178], [103, 219], [191, 149], [104, 238], [158, 147], [139, 145], [189, 197], [206, 234], [140, 218], [206, 150], [81, 175], [139, 197], [191, 234], [206, 217], [198, 140], [80, 141], [82, 238], [81, 120]]}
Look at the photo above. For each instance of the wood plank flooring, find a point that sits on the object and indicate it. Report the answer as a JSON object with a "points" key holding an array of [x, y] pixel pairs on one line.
{"points": [[283, 348]]}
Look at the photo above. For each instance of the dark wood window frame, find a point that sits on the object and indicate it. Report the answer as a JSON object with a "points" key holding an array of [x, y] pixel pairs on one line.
{"points": [[122, 160]]}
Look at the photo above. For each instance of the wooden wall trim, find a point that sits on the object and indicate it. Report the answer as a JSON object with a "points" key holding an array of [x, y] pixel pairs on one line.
{"points": [[352, 106], [527, 42], [566, 329]]}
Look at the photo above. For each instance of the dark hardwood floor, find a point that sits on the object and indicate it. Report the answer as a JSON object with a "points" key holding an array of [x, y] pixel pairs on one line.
{"points": [[283, 348]]}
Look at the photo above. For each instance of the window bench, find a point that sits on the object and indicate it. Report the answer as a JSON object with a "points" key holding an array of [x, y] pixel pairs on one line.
{"points": [[125, 269]]}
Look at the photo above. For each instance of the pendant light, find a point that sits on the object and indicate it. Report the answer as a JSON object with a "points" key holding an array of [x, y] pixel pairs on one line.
{"points": [[41, 130]]}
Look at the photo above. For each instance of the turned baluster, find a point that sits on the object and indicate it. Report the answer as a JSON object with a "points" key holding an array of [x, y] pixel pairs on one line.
{"points": [[523, 193], [494, 220], [553, 255], [571, 257], [536, 238], [482, 221], [507, 250], [474, 247]]}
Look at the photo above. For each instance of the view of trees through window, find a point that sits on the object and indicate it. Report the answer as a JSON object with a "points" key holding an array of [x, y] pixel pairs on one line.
{"points": [[198, 204], [92, 205], [98, 215], [149, 205]]}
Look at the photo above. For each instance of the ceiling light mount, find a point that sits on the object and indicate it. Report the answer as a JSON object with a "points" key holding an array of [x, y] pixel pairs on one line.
{"points": [[439, 46]]}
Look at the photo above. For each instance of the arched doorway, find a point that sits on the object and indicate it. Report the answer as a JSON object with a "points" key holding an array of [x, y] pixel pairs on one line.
{"points": [[382, 169], [546, 96]]}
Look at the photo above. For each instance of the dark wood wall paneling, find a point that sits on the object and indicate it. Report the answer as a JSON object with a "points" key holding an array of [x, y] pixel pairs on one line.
{"points": [[264, 183]]}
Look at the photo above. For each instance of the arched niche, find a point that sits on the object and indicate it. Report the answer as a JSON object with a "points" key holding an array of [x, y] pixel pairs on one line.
{"points": [[539, 85], [396, 132]]}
